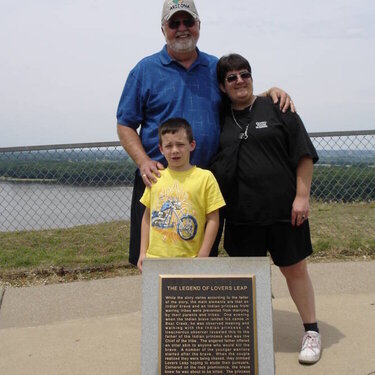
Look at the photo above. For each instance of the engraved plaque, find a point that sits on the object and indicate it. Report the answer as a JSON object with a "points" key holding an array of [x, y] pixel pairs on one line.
{"points": [[207, 325]]}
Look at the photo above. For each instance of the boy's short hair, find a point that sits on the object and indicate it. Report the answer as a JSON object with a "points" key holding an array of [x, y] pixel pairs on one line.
{"points": [[173, 125]]}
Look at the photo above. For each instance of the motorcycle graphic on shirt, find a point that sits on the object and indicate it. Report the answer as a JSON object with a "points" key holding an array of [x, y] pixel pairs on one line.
{"points": [[169, 217]]}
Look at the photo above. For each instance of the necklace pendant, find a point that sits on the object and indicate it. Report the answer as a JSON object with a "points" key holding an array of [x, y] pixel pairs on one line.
{"points": [[236, 122], [244, 135]]}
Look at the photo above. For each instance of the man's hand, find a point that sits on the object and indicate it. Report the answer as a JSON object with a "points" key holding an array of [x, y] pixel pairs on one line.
{"points": [[149, 170], [131, 142], [285, 100]]}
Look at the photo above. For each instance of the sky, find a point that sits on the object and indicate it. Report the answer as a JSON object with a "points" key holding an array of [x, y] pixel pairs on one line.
{"points": [[63, 63]]}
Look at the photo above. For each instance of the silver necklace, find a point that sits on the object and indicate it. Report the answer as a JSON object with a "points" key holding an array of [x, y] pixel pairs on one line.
{"points": [[234, 118], [244, 134]]}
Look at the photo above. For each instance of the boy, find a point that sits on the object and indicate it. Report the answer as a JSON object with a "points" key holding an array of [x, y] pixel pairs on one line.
{"points": [[181, 218]]}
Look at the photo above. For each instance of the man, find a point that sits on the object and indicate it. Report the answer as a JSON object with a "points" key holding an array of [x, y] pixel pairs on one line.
{"points": [[178, 81]]}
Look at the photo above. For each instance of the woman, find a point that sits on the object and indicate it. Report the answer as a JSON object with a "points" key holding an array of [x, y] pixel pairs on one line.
{"points": [[268, 205]]}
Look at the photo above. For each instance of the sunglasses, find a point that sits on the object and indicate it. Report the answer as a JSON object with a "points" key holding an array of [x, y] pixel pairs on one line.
{"points": [[234, 77], [175, 24]]}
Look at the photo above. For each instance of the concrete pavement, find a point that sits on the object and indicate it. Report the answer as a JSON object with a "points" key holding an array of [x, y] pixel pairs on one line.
{"points": [[95, 327]]}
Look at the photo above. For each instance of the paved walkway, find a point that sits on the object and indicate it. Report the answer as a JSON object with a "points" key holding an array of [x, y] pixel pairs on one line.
{"points": [[95, 327]]}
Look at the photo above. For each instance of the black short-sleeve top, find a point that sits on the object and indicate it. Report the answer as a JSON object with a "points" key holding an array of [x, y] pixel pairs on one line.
{"points": [[265, 185]]}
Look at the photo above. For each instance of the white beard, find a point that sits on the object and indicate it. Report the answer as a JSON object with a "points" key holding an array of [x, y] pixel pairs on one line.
{"points": [[182, 45]]}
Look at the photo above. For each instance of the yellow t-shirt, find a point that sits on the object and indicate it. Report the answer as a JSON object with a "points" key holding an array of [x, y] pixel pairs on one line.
{"points": [[179, 203]]}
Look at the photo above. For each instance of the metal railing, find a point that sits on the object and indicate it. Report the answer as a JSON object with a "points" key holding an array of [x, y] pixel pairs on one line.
{"points": [[43, 187]]}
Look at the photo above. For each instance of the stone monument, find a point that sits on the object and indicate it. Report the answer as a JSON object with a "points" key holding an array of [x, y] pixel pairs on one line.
{"points": [[207, 316]]}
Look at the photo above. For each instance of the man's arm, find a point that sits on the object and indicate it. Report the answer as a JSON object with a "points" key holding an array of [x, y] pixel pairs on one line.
{"points": [[145, 237], [132, 144], [301, 204], [285, 100], [212, 226]]}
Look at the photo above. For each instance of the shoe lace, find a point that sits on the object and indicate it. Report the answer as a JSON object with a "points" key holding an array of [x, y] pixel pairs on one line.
{"points": [[310, 342]]}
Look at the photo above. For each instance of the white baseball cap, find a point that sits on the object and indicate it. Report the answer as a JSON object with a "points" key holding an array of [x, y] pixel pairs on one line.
{"points": [[171, 7]]}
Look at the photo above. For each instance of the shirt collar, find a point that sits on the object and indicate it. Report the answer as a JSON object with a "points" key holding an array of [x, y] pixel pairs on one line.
{"points": [[166, 59]]}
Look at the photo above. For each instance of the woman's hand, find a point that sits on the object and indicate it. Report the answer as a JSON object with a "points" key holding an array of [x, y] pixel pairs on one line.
{"points": [[300, 210]]}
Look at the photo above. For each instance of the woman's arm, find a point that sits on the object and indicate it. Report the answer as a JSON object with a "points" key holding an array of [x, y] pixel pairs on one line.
{"points": [[301, 204]]}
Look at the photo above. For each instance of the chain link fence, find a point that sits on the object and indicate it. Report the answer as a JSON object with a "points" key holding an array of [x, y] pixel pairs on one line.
{"points": [[345, 171], [64, 185], [68, 185]]}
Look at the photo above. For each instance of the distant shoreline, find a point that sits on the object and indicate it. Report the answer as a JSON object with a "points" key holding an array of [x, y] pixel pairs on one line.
{"points": [[54, 181], [29, 180]]}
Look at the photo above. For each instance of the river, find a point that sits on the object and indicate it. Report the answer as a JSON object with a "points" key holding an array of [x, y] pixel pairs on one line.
{"points": [[29, 206]]}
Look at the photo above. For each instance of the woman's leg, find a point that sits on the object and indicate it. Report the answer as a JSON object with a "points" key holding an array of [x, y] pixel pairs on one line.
{"points": [[302, 293], [301, 290]]}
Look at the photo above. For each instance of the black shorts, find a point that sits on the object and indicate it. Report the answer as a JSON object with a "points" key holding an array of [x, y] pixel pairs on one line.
{"points": [[136, 213], [287, 245]]}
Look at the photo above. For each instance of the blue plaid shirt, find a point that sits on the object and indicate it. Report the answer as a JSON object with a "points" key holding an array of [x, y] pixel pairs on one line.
{"points": [[158, 88]]}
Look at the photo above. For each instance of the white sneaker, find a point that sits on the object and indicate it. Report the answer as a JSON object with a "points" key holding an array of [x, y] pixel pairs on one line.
{"points": [[311, 348]]}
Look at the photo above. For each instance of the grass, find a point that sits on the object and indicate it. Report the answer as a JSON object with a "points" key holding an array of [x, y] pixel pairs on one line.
{"points": [[343, 231], [339, 232], [81, 246]]}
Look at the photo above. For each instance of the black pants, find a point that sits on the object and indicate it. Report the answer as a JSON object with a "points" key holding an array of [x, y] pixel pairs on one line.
{"points": [[136, 214]]}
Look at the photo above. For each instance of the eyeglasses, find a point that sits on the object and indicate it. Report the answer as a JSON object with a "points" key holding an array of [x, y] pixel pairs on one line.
{"points": [[175, 24], [234, 77]]}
